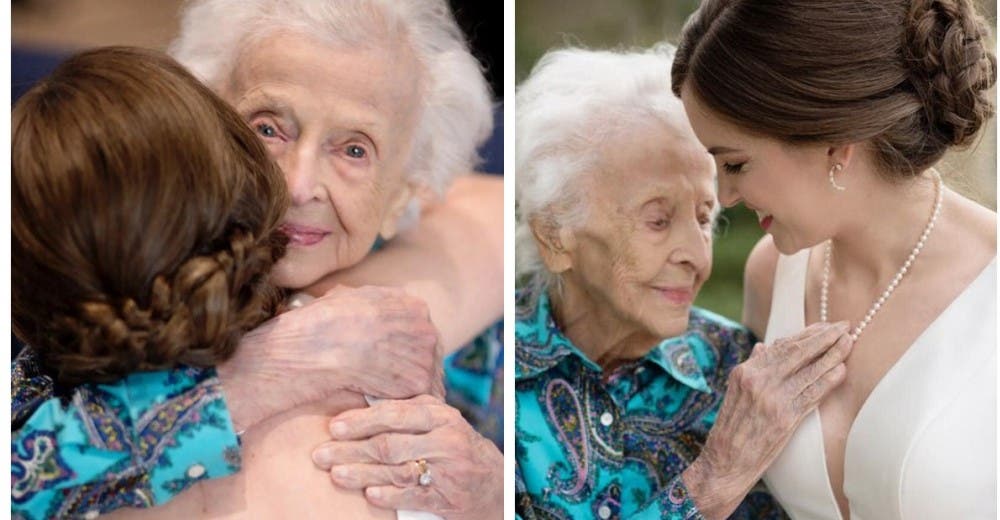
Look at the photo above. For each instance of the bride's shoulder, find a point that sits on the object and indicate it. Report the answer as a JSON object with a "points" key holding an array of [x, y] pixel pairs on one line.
{"points": [[758, 283], [971, 224]]}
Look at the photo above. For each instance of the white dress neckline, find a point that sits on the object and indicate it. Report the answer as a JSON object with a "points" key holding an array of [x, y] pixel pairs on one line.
{"points": [[804, 459]]}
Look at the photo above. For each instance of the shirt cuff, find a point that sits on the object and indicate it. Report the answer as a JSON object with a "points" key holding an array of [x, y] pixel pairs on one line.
{"points": [[672, 502]]}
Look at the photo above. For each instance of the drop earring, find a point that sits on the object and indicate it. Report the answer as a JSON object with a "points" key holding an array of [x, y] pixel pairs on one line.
{"points": [[833, 182]]}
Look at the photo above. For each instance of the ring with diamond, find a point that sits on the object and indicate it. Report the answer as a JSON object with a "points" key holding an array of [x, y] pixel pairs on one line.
{"points": [[425, 472]]}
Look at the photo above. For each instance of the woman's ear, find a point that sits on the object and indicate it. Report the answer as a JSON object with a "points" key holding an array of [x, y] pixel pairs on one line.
{"points": [[842, 154], [555, 243], [390, 222]]}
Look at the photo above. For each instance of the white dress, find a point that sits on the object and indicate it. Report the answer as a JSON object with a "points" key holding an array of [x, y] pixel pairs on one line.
{"points": [[923, 445]]}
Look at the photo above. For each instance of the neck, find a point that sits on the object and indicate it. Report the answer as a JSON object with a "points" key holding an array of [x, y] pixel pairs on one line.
{"points": [[888, 220], [594, 328]]}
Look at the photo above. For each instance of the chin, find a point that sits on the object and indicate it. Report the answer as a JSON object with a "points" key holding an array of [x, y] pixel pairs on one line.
{"points": [[291, 274], [672, 324], [785, 245]]}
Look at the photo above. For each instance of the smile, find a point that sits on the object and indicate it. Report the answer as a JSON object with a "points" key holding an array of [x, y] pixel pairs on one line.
{"points": [[677, 295], [303, 236]]}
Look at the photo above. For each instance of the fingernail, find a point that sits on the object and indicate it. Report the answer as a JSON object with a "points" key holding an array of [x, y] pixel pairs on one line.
{"points": [[321, 458], [340, 472], [338, 429], [373, 492]]}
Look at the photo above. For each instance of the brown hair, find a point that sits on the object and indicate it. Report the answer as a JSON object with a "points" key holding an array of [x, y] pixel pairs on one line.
{"points": [[143, 222], [908, 76]]}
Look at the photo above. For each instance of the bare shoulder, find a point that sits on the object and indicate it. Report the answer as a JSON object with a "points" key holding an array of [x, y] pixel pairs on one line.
{"points": [[758, 284], [981, 221]]}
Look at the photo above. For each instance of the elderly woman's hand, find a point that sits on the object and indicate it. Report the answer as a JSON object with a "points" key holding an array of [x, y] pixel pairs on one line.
{"points": [[376, 449], [374, 340], [767, 397]]}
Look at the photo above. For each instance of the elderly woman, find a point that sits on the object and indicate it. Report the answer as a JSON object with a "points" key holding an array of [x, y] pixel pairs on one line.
{"points": [[370, 108], [619, 380]]}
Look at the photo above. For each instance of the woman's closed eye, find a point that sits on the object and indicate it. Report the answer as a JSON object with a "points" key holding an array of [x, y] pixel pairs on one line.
{"points": [[733, 168], [659, 223]]}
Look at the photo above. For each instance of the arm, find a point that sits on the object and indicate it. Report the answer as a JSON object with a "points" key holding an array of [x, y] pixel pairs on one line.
{"points": [[453, 260], [758, 284]]}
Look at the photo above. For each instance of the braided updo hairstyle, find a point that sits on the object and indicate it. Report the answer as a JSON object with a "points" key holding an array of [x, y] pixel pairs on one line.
{"points": [[910, 77], [144, 219]]}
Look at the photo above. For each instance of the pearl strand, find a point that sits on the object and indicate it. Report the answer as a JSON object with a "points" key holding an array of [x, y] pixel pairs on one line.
{"points": [[880, 301]]}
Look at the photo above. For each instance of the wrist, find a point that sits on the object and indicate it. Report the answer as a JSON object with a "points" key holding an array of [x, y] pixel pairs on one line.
{"points": [[716, 491], [241, 412]]}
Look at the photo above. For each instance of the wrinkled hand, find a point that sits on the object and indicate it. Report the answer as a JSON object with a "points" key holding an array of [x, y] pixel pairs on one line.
{"points": [[375, 449], [767, 397], [373, 340]]}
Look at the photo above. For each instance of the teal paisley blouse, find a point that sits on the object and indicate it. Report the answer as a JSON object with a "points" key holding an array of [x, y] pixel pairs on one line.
{"points": [[591, 444], [136, 442]]}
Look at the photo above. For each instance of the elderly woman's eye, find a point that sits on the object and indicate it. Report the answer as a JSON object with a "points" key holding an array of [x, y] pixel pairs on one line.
{"points": [[733, 169], [659, 224], [355, 151], [266, 130]]}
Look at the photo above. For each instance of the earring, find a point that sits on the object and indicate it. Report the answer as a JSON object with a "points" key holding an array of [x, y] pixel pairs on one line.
{"points": [[836, 169]]}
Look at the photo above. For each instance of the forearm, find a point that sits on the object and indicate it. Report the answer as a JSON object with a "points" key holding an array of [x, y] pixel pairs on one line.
{"points": [[453, 260]]}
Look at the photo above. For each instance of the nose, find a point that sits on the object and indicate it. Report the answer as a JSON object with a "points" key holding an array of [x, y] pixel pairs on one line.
{"points": [[728, 196], [692, 246], [301, 170]]}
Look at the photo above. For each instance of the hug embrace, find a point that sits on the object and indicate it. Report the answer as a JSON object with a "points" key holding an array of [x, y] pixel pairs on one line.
{"points": [[258, 268]]}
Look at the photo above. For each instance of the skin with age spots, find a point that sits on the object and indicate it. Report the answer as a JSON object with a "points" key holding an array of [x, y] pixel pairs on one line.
{"points": [[341, 129], [631, 270]]}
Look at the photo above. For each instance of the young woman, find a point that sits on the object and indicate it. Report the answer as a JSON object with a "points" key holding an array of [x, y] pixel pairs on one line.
{"points": [[827, 120]]}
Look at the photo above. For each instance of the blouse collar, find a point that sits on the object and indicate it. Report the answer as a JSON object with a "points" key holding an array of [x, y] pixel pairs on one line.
{"points": [[541, 345]]}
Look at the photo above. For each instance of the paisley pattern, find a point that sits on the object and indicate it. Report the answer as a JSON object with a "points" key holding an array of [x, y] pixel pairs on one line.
{"points": [[137, 442], [591, 444], [473, 380], [36, 464]]}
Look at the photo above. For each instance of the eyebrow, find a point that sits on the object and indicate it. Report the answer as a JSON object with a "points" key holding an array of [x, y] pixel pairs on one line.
{"points": [[258, 99], [716, 150]]}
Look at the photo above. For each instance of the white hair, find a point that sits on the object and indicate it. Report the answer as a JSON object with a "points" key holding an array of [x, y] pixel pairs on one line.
{"points": [[456, 113], [573, 101]]}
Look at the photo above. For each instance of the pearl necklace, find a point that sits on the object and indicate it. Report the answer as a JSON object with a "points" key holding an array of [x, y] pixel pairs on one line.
{"points": [[824, 292]]}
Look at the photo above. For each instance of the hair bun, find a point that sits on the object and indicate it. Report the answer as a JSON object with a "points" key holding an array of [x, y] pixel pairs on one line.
{"points": [[951, 67], [194, 316]]}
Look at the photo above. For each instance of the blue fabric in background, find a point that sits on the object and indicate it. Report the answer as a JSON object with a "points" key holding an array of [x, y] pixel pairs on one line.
{"points": [[492, 150], [28, 65]]}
